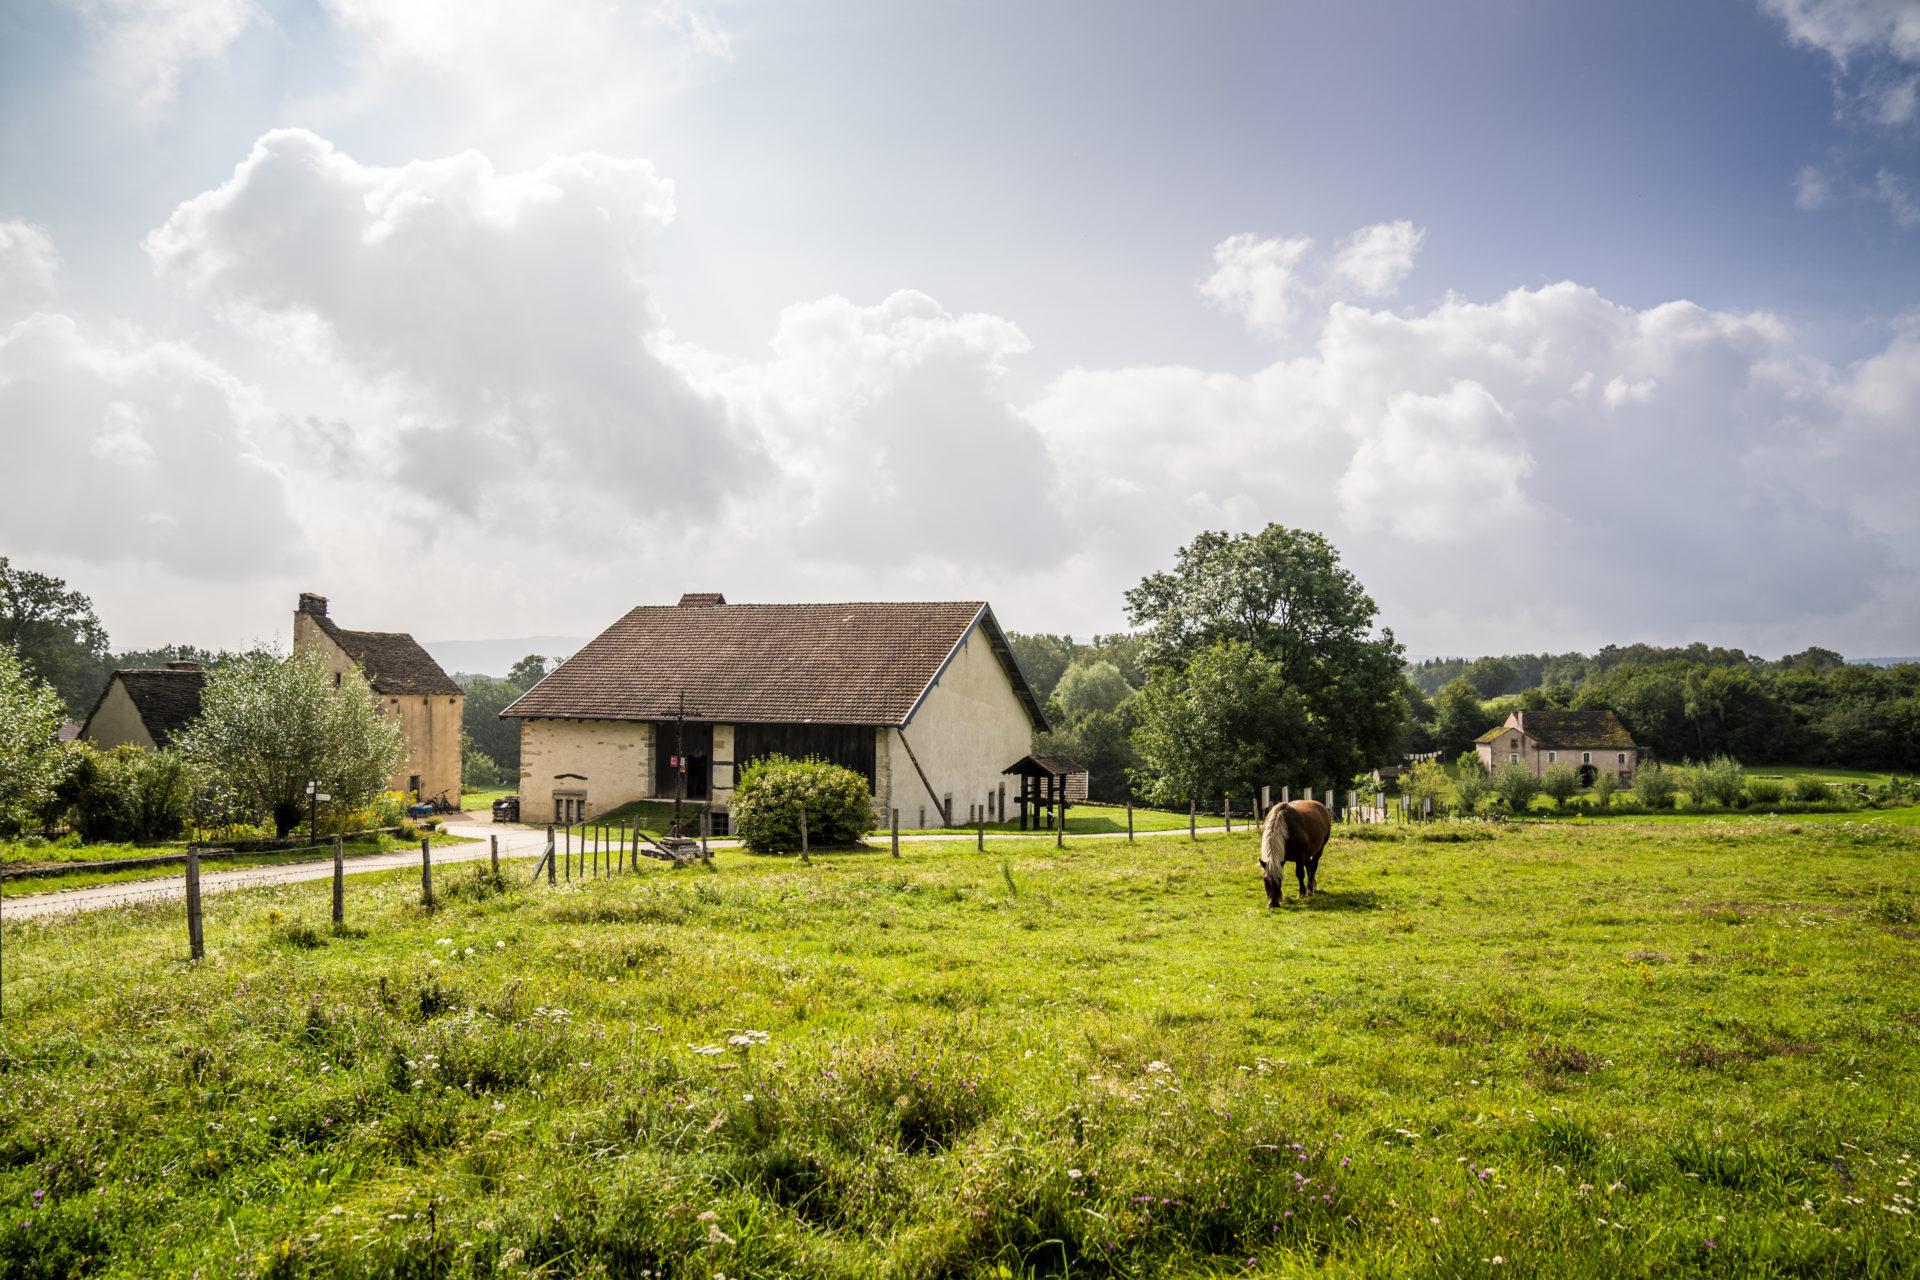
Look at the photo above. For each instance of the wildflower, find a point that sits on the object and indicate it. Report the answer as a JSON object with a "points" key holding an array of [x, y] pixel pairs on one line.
{"points": [[1073, 1173], [746, 1097], [443, 942], [1497, 1260], [500, 945], [469, 950]]}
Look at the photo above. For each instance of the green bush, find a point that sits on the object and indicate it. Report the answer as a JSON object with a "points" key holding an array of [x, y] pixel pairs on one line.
{"points": [[479, 770], [1605, 783], [1654, 786], [1560, 784], [127, 793], [1808, 789], [1766, 790], [1470, 790], [1720, 781], [1515, 784], [772, 791]]}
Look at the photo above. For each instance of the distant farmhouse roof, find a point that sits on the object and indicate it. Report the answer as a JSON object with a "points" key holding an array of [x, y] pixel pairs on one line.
{"points": [[860, 664], [167, 698], [394, 663], [1567, 730]]}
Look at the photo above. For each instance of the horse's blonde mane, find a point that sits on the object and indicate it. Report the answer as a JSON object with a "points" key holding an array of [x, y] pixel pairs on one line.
{"points": [[1273, 837]]}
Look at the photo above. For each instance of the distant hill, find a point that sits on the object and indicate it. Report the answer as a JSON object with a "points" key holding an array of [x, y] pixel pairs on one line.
{"points": [[1879, 662], [493, 657]]}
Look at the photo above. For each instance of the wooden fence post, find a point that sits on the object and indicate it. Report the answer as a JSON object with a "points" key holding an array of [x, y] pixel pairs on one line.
{"points": [[1266, 803], [1060, 822], [896, 833], [339, 884], [1129, 821], [706, 828], [196, 935], [426, 873], [1229, 812], [1193, 812], [803, 837], [494, 850]]}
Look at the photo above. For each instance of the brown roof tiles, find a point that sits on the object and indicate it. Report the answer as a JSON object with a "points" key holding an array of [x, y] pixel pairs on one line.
{"points": [[395, 664], [866, 663]]}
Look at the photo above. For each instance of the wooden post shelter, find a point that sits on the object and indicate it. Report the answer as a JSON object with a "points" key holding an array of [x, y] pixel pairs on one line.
{"points": [[1050, 782]]}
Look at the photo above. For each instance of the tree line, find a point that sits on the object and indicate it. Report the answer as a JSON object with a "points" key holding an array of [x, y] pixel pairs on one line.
{"points": [[1693, 703]]}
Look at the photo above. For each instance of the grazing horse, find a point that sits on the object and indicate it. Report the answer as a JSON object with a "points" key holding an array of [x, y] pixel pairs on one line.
{"points": [[1295, 832]]}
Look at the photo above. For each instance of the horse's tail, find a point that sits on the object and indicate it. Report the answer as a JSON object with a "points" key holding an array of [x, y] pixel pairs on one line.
{"points": [[1273, 839]]}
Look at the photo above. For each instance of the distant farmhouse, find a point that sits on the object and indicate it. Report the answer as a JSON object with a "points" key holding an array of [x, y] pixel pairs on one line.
{"points": [[145, 706], [410, 685], [1584, 741], [925, 700]]}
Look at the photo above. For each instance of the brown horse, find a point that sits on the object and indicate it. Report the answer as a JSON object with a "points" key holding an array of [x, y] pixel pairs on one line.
{"points": [[1295, 832]]}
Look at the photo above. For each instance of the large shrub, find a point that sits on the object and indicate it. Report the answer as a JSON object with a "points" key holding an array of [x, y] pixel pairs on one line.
{"points": [[1514, 783], [1560, 784], [1808, 789], [1720, 780], [31, 761], [1470, 790], [1604, 785], [1766, 790], [772, 791], [1654, 786], [128, 793]]}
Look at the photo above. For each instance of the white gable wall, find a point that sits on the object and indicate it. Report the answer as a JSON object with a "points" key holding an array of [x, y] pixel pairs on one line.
{"points": [[116, 721], [970, 727]]}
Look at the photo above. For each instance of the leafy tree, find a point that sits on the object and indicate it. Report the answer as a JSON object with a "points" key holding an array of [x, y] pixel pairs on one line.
{"points": [[1098, 742], [1808, 789], [1515, 784], [1720, 781], [528, 672], [270, 725], [1426, 780], [1560, 784], [1469, 764], [1044, 658], [31, 762], [1459, 718], [59, 640], [1605, 783], [1469, 789], [1490, 677], [1226, 724], [207, 658], [1092, 686], [1654, 786], [772, 791], [478, 769], [1282, 595], [487, 697]]}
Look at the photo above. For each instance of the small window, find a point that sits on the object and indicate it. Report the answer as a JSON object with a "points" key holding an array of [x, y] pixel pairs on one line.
{"points": [[1514, 745], [1552, 756], [336, 679], [1513, 757], [1586, 757], [1623, 757]]}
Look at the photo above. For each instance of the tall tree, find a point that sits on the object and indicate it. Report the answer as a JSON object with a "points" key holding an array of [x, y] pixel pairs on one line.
{"points": [[31, 761], [270, 725], [1225, 724], [1044, 658], [499, 739], [59, 640], [528, 672], [1283, 594]]}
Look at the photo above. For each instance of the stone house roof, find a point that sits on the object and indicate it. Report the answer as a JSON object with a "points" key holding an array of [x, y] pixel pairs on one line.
{"points": [[167, 698], [395, 664], [869, 663], [1568, 730]]}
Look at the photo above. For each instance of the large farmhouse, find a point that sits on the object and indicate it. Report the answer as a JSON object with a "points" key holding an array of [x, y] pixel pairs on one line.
{"points": [[1584, 741], [411, 686], [145, 706], [923, 699]]}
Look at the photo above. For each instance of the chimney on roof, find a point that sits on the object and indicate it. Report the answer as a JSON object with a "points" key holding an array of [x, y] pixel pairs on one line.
{"points": [[183, 664], [313, 604], [694, 599]]}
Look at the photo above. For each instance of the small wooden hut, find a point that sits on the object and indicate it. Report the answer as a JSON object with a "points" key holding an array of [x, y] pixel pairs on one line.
{"points": [[1049, 782]]}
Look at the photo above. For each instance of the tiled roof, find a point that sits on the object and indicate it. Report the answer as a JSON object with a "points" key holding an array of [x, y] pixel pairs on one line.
{"points": [[1051, 766], [1492, 734], [167, 699], [394, 663], [866, 664], [1575, 729]]}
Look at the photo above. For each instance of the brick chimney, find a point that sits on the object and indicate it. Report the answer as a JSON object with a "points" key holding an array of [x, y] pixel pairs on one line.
{"points": [[313, 604], [182, 664]]}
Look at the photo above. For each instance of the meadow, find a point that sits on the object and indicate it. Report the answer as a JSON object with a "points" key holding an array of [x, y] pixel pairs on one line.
{"points": [[1613, 1049]]}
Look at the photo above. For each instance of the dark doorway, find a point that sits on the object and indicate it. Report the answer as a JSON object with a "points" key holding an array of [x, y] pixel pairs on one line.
{"points": [[697, 741], [1587, 774]]}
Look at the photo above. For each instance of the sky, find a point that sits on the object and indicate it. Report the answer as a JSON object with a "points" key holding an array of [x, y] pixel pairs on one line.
{"points": [[1567, 324]]}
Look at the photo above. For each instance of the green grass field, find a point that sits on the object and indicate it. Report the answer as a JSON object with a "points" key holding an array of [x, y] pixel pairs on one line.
{"points": [[1610, 1050], [65, 879]]}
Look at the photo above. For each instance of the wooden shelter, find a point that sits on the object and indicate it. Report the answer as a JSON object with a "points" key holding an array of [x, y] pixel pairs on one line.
{"points": [[1050, 782]]}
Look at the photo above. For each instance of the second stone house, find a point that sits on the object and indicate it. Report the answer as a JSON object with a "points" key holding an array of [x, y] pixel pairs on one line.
{"points": [[924, 699], [1584, 741], [410, 685]]}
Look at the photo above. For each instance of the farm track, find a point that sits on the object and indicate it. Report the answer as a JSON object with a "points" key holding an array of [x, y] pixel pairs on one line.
{"points": [[515, 842]]}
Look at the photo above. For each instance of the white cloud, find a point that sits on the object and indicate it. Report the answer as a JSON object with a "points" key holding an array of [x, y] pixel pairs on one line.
{"points": [[1890, 191], [1812, 189], [147, 44], [1258, 280], [534, 73], [1847, 28], [1273, 283], [29, 263], [1374, 260], [129, 450]]}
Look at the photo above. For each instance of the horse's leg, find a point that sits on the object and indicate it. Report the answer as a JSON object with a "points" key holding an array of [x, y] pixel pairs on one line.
{"points": [[1300, 873], [1313, 876]]}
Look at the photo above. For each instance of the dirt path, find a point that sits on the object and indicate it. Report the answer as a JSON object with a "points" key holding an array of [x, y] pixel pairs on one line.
{"points": [[515, 842]]}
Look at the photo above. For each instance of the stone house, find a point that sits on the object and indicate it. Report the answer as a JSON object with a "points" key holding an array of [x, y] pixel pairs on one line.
{"points": [[145, 706], [1584, 741], [410, 685], [923, 699]]}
